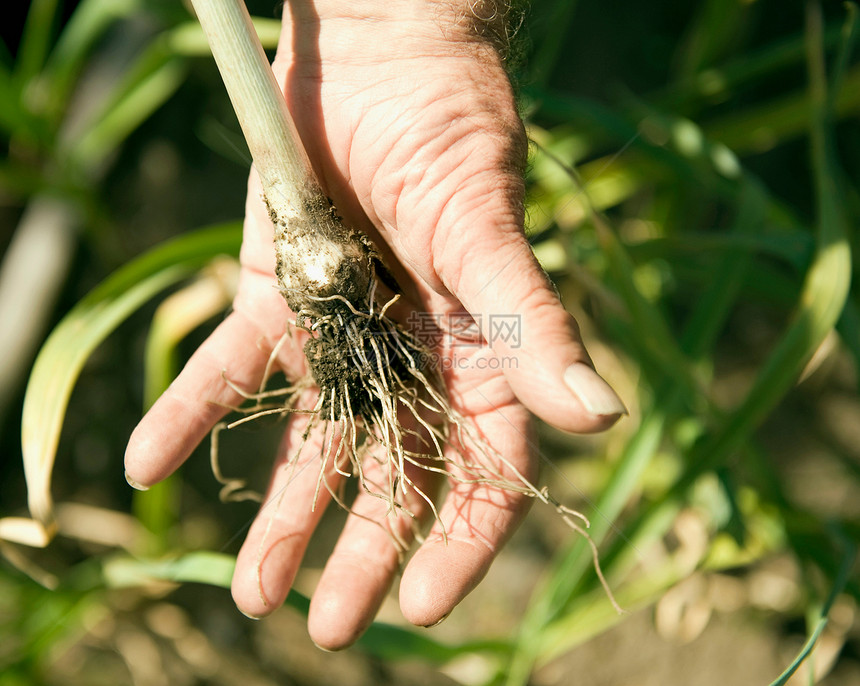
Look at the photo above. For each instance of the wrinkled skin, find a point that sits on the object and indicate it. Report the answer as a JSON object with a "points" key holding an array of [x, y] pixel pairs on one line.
{"points": [[411, 125]]}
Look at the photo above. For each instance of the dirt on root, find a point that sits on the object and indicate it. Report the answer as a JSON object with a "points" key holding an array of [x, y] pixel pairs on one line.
{"points": [[348, 364]]}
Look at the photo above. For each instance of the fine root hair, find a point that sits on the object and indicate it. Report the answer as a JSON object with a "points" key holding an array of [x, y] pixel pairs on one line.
{"points": [[381, 417]]}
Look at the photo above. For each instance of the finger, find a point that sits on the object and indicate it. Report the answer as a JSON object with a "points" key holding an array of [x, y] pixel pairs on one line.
{"points": [[478, 517], [499, 281], [298, 494], [367, 556], [195, 401], [466, 213]]}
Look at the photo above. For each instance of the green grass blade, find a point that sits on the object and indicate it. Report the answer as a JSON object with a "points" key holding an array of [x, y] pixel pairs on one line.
{"points": [[180, 314], [820, 305], [781, 119], [189, 40], [385, 641], [11, 116], [716, 302], [88, 23], [62, 357], [157, 510], [821, 302], [644, 162], [36, 40], [149, 83], [658, 344], [838, 585], [202, 567], [635, 458], [177, 316], [593, 615], [553, 596], [824, 292], [846, 47], [716, 28], [391, 642], [793, 247], [688, 95], [564, 585]]}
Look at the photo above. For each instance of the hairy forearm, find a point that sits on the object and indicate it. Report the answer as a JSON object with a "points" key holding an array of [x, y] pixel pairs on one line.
{"points": [[494, 22]]}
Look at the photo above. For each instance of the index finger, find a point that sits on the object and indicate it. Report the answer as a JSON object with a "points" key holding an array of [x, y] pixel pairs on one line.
{"points": [[189, 408]]}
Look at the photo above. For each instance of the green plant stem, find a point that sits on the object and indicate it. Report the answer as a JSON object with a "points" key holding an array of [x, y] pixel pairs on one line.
{"points": [[317, 257], [285, 170], [841, 579]]}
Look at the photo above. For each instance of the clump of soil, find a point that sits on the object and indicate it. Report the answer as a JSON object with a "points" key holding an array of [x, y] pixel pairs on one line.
{"points": [[352, 350]]}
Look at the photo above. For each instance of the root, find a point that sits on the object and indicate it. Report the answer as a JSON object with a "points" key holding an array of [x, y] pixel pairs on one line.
{"points": [[381, 404], [232, 490]]}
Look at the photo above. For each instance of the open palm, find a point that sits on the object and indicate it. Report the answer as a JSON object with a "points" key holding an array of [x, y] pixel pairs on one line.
{"points": [[411, 125]]}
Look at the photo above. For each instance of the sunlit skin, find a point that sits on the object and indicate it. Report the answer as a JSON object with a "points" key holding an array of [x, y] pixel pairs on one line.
{"points": [[411, 125]]}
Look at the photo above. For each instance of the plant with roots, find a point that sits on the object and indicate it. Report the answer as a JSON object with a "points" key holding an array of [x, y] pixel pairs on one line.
{"points": [[411, 132]]}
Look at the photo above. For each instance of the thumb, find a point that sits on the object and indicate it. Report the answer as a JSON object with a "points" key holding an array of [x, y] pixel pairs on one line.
{"points": [[521, 316]]}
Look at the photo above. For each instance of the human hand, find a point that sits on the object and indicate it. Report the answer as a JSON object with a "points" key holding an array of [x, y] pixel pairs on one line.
{"points": [[410, 122]]}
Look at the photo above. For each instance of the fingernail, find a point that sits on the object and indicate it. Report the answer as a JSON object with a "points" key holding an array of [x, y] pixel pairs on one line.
{"points": [[438, 621], [256, 619], [593, 392], [134, 484]]}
